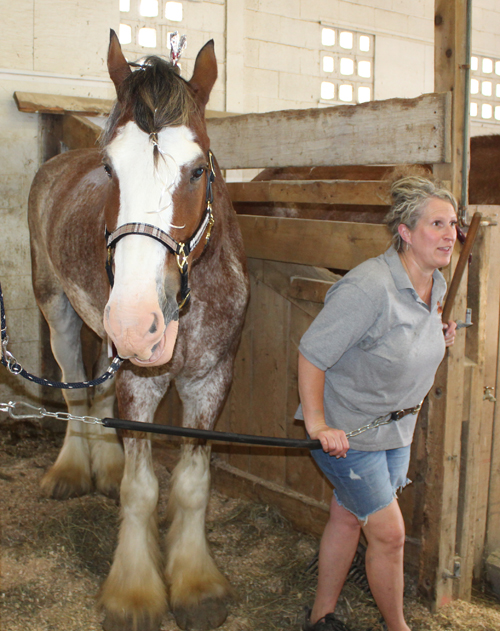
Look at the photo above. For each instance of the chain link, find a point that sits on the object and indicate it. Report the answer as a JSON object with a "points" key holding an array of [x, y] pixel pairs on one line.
{"points": [[39, 413], [378, 422]]}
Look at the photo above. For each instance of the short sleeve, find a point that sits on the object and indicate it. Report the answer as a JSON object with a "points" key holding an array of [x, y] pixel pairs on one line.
{"points": [[345, 319]]}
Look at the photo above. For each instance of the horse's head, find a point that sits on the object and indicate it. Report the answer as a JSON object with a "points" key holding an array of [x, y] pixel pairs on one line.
{"points": [[156, 154]]}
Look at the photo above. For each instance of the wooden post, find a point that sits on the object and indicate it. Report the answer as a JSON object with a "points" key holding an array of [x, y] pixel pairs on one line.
{"points": [[438, 563]]}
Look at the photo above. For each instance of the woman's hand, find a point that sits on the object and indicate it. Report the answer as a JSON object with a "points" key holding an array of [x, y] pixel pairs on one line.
{"points": [[333, 441], [449, 331]]}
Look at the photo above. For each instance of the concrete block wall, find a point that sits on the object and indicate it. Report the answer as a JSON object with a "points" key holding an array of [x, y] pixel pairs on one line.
{"points": [[54, 47]]}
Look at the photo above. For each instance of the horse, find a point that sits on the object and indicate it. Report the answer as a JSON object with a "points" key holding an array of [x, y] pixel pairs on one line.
{"points": [[144, 213]]}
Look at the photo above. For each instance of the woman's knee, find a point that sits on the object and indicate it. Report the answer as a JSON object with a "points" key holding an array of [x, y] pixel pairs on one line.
{"points": [[386, 528], [342, 518]]}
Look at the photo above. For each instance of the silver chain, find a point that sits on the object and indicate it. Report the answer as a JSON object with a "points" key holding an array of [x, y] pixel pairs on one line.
{"points": [[12, 406], [381, 420]]}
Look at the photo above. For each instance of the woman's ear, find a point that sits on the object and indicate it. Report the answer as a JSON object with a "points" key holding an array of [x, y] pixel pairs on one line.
{"points": [[404, 233]]}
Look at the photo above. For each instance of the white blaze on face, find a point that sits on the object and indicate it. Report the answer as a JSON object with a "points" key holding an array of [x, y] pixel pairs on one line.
{"points": [[134, 319]]}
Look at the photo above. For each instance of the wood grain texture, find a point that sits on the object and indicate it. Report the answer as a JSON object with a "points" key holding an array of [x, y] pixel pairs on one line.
{"points": [[330, 244], [396, 131], [373, 193]]}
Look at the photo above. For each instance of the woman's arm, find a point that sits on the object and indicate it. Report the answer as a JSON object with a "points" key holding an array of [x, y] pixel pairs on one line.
{"points": [[311, 391]]}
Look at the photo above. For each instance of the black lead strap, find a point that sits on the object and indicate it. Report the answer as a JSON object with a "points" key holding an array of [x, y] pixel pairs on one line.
{"points": [[205, 434]]}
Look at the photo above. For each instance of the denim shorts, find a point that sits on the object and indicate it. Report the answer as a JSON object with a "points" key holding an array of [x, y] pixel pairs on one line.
{"points": [[365, 481]]}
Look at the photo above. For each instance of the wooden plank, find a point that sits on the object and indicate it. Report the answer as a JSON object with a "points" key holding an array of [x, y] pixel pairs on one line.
{"points": [[308, 289], [302, 474], [269, 378], [32, 102], [396, 131], [374, 193], [444, 422], [79, 132], [330, 244]]}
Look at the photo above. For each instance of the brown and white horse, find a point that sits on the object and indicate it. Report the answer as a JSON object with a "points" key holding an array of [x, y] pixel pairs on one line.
{"points": [[151, 178]]}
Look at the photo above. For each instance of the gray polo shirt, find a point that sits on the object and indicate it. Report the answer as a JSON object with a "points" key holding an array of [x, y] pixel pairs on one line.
{"points": [[380, 346]]}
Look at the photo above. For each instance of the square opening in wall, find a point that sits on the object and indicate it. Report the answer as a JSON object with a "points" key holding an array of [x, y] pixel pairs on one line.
{"points": [[149, 8], [473, 109], [124, 6], [364, 43], [487, 65], [327, 90], [328, 37], [345, 93], [486, 110], [328, 64], [125, 34], [364, 94], [173, 11], [346, 40], [147, 37], [346, 66], [365, 69], [486, 88]]}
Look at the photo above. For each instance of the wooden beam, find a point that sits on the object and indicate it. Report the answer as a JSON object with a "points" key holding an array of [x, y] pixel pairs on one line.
{"points": [[437, 579], [32, 102], [330, 244], [79, 132], [396, 131], [312, 192]]}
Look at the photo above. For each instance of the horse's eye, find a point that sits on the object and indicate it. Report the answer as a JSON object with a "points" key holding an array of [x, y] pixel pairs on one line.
{"points": [[197, 173], [107, 168]]}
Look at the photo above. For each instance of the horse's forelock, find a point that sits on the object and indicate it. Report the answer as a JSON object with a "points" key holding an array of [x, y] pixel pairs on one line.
{"points": [[154, 96]]}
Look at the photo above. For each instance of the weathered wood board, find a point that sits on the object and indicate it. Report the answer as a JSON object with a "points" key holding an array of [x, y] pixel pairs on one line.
{"points": [[396, 131], [58, 104], [373, 193], [330, 244]]}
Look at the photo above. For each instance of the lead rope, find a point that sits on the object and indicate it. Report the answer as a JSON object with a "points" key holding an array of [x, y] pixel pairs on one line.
{"points": [[14, 367], [156, 428]]}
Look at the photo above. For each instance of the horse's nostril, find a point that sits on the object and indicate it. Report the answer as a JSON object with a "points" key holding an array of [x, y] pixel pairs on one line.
{"points": [[154, 326]]}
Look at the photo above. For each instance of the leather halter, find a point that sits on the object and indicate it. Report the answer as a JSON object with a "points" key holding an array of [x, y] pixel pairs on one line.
{"points": [[181, 249]]}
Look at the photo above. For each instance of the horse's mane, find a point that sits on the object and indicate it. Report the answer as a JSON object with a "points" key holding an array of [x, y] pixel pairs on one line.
{"points": [[155, 95]]}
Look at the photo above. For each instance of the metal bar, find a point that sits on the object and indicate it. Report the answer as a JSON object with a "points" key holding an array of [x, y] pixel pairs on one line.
{"points": [[205, 434], [460, 268]]}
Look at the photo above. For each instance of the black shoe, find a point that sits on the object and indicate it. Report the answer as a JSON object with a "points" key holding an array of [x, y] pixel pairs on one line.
{"points": [[328, 623]]}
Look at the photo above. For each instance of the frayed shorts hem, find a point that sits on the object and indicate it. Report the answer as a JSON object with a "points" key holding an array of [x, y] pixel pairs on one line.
{"points": [[364, 520], [366, 481]]}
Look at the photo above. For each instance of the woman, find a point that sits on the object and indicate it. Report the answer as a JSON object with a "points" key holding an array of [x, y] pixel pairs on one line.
{"points": [[374, 349]]}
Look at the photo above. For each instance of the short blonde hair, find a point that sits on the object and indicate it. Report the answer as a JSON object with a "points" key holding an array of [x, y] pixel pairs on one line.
{"points": [[410, 196]]}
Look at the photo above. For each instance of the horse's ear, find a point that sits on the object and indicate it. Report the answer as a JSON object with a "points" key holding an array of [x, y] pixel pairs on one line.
{"points": [[205, 73], [117, 64]]}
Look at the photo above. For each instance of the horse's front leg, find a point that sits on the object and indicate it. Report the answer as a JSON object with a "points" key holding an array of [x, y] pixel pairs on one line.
{"points": [[196, 587], [106, 452], [70, 475], [134, 596]]}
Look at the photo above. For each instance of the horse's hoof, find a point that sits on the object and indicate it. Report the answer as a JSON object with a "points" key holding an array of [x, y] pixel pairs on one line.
{"points": [[209, 614], [114, 622], [62, 487]]}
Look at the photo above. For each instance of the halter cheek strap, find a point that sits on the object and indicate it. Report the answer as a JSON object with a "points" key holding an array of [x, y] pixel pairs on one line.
{"points": [[181, 249]]}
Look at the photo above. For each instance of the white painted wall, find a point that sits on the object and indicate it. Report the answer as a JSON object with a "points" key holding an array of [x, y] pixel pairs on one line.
{"points": [[268, 55], [48, 46]]}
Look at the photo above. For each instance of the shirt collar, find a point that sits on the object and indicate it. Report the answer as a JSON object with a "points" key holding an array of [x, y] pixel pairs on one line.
{"points": [[402, 280]]}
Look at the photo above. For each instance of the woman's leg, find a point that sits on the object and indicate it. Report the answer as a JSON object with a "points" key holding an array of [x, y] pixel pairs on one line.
{"points": [[385, 533], [336, 552]]}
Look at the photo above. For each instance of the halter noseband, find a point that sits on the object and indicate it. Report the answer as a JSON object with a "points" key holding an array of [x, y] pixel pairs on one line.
{"points": [[181, 249]]}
